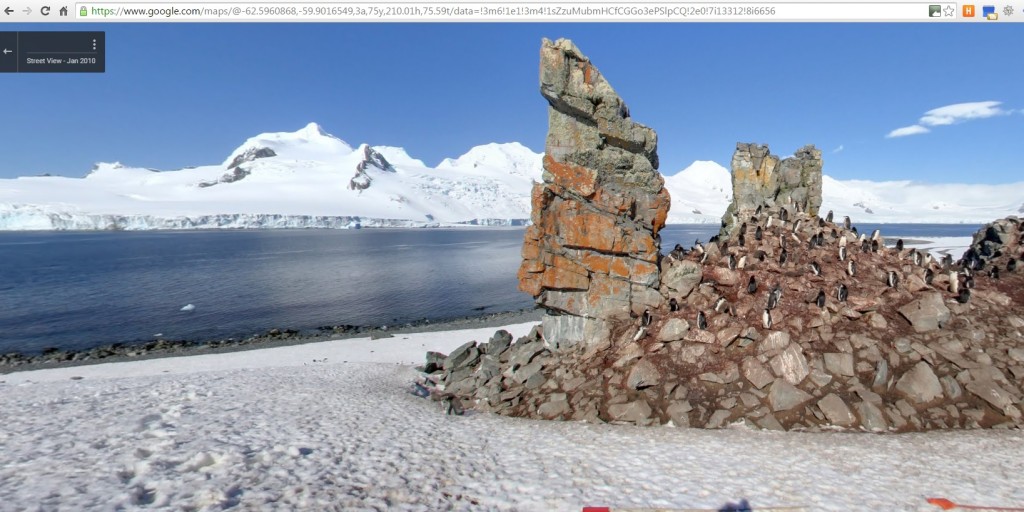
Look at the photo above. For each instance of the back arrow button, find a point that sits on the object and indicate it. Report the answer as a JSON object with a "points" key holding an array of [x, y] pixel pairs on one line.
{"points": [[6, 51], [8, 11]]}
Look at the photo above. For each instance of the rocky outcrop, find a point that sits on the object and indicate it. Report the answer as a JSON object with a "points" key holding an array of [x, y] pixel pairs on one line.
{"points": [[997, 247], [590, 258], [908, 357], [761, 180], [251, 154], [371, 159]]}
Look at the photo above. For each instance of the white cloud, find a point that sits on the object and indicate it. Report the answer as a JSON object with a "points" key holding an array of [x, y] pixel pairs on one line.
{"points": [[951, 114], [838, 150], [907, 130]]}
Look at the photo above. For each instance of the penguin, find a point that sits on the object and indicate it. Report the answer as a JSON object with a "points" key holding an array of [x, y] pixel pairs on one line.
{"points": [[947, 261], [645, 320], [673, 304], [963, 296], [927, 259], [758, 211], [954, 281], [842, 253], [918, 258], [784, 215], [732, 262], [783, 256], [969, 282], [773, 297], [891, 279], [929, 276], [815, 268], [768, 223], [704, 258], [821, 240], [851, 268], [828, 217], [842, 241], [761, 256], [742, 240], [743, 262], [702, 321], [721, 305], [752, 285], [874, 246], [994, 273], [865, 246], [766, 319], [1011, 265], [758, 234], [699, 247], [899, 245], [846, 223], [795, 237], [820, 300], [843, 293], [821, 222], [853, 230]]}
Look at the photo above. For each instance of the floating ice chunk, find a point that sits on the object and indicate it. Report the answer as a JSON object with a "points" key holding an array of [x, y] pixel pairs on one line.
{"points": [[189, 307]]}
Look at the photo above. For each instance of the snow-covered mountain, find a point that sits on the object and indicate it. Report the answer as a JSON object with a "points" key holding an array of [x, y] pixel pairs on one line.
{"points": [[306, 178], [310, 178]]}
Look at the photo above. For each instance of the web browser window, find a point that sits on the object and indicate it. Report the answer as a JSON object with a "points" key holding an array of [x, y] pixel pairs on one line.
{"points": [[537, 255]]}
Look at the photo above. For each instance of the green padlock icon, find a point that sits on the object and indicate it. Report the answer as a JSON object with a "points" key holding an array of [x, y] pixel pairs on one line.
{"points": [[83, 12]]}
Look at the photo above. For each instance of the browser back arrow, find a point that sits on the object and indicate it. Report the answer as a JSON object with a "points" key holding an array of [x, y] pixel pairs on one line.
{"points": [[6, 51], [8, 11]]}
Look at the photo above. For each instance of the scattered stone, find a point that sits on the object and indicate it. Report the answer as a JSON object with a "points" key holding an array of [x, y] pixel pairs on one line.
{"points": [[673, 329], [643, 375], [839, 364], [927, 313], [835, 409], [920, 384], [783, 396], [756, 373], [631, 412]]}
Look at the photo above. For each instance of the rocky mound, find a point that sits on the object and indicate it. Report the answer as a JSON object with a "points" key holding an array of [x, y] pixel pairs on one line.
{"points": [[758, 331]]}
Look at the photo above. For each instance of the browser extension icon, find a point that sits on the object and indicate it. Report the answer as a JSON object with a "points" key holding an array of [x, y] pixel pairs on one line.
{"points": [[934, 11], [989, 12]]}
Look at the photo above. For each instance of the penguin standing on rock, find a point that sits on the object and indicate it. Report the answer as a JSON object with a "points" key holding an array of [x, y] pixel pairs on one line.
{"points": [[646, 319], [752, 285], [783, 256], [899, 245], [820, 300], [702, 321], [954, 281], [1012, 264], [846, 223], [892, 280], [732, 262], [851, 268], [773, 297], [828, 217], [766, 319], [964, 295], [843, 293], [929, 276], [842, 253], [673, 304], [815, 268], [758, 234], [994, 273]]}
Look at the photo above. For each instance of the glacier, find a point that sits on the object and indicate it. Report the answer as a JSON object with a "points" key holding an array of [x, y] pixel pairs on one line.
{"points": [[311, 179]]}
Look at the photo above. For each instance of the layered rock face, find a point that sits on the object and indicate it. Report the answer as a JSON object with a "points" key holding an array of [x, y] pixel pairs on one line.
{"points": [[591, 256], [996, 248], [761, 180]]}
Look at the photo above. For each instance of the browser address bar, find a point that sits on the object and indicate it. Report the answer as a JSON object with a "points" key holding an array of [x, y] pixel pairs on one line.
{"points": [[368, 11]]}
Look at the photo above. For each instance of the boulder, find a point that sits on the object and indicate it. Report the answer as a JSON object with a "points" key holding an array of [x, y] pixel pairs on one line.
{"points": [[927, 313], [784, 396], [632, 412], [919, 384], [836, 410], [673, 329], [643, 375]]}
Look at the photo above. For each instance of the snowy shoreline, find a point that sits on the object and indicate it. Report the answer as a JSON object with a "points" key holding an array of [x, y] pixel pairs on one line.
{"points": [[142, 350], [334, 426]]}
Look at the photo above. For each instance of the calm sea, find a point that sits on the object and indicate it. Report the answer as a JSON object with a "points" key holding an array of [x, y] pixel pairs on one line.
{"points": [[77, 290]]}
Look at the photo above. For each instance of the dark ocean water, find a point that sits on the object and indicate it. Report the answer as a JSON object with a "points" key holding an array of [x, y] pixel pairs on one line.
{"points": [[77, 290]]}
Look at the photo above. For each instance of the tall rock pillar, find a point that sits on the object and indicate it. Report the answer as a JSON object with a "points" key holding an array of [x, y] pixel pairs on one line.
{"points": [[590, 257], [761, 179]]}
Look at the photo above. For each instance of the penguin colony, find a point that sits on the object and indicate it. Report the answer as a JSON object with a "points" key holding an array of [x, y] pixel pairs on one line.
{"points": [[785, 259]]}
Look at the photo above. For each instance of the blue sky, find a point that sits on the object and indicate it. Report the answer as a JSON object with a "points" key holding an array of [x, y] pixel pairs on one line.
{"points": [[177, 95]]}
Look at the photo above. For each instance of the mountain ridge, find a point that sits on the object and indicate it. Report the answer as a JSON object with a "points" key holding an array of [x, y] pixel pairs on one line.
{"points": [[310, 178]]}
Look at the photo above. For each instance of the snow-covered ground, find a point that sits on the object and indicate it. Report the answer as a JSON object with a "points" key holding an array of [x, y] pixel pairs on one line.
{"points": [[334, 426], [309, 178]]}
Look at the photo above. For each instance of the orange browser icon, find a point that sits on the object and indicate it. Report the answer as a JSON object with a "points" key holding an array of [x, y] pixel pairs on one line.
{"points": [[968, 11]]}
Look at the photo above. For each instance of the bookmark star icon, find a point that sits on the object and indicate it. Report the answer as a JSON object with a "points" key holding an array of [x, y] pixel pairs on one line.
{"points": [[948, 11]]}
